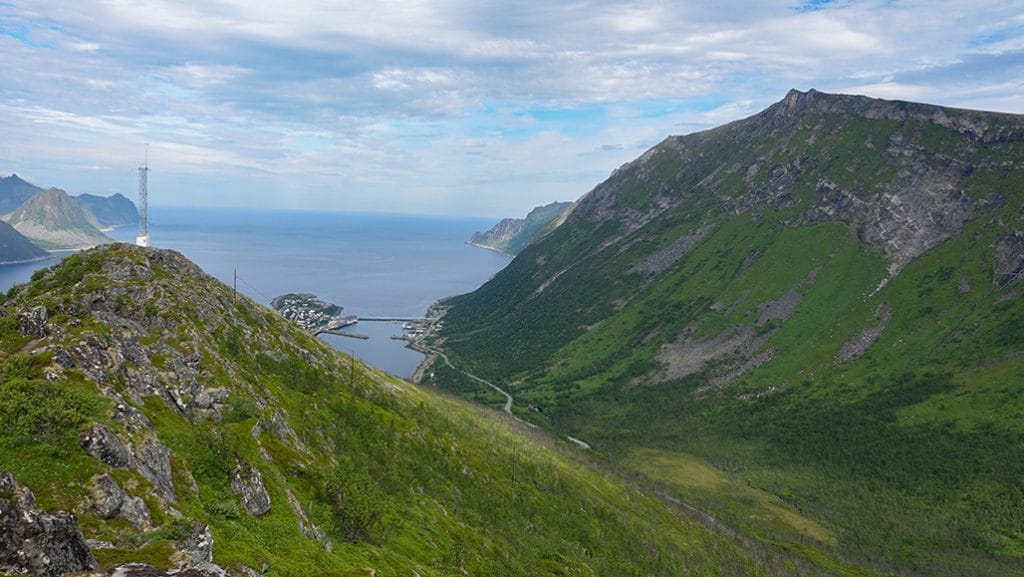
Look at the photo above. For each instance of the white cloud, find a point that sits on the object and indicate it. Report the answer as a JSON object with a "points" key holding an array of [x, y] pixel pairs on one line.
{"points": [[490, 105]]}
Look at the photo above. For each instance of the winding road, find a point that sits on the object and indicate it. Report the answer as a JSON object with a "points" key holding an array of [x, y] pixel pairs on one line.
{"points": [[508, 398]]}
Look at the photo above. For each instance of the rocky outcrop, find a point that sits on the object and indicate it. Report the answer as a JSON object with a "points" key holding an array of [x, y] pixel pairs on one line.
{"points": [[197, 546], [143, 570], [153, 461], [111, 501], [102, 443], [905, 218], [34, 541], [32, 322], [150, 458], [247, 481], [306, 526], [668, 255], [1010, 258], [859, 345]]}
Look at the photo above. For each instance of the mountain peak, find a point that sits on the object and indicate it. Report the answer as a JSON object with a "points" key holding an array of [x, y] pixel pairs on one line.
{"points": [[14, 191], [52, 220]]}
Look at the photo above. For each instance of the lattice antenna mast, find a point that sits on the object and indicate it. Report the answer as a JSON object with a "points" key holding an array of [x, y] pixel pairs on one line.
{"points": [[143, 238]]}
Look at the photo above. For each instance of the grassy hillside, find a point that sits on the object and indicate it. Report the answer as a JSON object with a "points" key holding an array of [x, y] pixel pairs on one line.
{"points": [[132, 363], [818, 306]]}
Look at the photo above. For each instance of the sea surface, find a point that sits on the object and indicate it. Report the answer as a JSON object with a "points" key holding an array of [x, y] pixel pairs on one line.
{"points": [[370, 264]]}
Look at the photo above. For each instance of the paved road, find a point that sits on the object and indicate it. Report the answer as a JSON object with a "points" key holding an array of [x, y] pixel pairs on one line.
{"points": [[508, 397]]}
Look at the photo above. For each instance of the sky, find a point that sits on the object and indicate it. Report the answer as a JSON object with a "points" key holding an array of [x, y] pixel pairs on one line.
{"points": [[462, 107]]}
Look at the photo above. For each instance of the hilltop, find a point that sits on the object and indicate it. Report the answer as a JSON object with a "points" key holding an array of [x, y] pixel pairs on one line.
{"points": [[182, 425], [818, 306]]}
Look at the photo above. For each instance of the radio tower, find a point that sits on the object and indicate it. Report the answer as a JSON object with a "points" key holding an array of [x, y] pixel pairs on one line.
{"points": [[143, 238]]}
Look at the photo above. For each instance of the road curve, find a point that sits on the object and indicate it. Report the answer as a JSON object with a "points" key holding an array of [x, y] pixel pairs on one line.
{"points": [[508, 398]]}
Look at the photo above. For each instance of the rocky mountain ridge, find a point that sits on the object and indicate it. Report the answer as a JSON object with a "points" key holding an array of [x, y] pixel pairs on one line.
{"points": [[916, 203], [511, 235]]}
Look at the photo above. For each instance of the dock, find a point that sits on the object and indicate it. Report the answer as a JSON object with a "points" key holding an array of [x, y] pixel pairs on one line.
{"points": [[341, 334], [395, 319]]}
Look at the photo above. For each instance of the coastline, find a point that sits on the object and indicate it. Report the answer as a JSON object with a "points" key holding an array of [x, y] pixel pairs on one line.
{"points": [[114, 227], [429, 356], [490, 248], [30, 260]]}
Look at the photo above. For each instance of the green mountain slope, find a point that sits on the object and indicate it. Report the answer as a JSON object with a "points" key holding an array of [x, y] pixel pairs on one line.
{"points": [[16, 248], [14, 192], [104, 211], [512, 235], [156, 403], [820, 304], [52, 221]]}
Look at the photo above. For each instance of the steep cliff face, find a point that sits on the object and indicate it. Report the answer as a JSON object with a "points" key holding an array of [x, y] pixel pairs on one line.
{"points": [[819, 287], [185, 430], [512, 235]]}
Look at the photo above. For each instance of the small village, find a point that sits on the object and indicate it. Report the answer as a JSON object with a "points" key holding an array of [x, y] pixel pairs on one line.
{"points": [[312, 313]]}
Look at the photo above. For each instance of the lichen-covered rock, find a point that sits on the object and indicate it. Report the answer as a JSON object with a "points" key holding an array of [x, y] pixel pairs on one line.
{"points": [[1010, 258], [111, 501], [93, 357], [151, 459], [35, 542], [143, 570], [198, 544], [247, 481], [102, 443], [62, 357], [32, 322]]}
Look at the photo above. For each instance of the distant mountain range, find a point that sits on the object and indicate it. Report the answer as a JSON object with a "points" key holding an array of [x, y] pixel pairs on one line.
{"points": [[104, 211], [36, 220], [14, 192], [512, 235]]}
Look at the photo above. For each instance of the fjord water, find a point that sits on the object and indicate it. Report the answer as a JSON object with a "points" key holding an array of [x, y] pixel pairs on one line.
{"points": [[371, 264]]}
